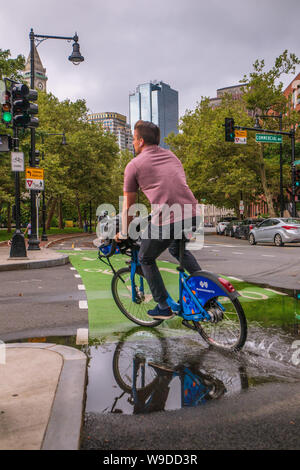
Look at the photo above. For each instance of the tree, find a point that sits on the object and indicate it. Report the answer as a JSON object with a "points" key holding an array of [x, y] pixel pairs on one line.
{"points": [[216, 170], [264, 95]]}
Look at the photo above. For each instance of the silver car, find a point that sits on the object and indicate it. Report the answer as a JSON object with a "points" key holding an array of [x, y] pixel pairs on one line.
{"points": [[278, 230]]}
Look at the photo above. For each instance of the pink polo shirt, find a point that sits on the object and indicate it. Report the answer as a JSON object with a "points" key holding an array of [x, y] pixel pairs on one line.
{"points": [[160, 175]]}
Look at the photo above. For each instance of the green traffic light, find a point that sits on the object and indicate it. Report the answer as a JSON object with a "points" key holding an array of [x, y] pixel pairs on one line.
{"points": [[7, 116]]}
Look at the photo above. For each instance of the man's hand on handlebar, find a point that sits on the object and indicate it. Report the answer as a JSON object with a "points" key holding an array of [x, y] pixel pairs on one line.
{"points": [[119, 237]]}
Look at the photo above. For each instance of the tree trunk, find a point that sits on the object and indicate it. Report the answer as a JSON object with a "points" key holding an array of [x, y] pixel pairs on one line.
{"points": [[79, 212], [60, 214], [50, 212], [9, 217], [266, 190]]}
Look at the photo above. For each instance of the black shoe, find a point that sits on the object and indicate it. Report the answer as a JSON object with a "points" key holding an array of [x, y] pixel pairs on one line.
{"points": [[161, 314]]}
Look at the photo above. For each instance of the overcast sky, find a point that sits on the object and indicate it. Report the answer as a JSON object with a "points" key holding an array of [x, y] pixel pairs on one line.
{"points": [[196, 46]]}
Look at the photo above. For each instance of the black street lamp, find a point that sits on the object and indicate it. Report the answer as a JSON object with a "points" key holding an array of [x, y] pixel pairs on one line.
{"points": [[44, 237], [76, 58]]}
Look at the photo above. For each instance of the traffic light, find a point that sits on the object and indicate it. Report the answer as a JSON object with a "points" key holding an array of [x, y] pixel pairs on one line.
{"points": [[22, 107], [229, 129], [37, 158], [6, 108]]}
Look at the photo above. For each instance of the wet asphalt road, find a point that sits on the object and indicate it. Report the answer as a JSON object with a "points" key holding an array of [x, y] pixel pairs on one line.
{"points": [[40, 302], [267, 417]]}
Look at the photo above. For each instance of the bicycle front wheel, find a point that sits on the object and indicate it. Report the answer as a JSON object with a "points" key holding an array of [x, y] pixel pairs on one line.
{"points": [[230, 332], [122, 293]]}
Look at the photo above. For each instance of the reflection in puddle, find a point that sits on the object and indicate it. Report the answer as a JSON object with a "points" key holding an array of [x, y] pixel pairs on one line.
{"points": [[147, 371]]}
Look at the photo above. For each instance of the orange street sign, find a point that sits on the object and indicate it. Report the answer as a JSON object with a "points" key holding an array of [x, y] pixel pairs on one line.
{"points": [[34, 173]]}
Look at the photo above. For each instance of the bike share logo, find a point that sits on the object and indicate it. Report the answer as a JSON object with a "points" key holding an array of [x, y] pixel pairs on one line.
{"points": [[2, 353], [203, 284]]}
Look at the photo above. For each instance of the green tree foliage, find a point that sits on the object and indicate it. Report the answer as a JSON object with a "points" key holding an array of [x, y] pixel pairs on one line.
{"points": [[222, 172], [217, 171]]}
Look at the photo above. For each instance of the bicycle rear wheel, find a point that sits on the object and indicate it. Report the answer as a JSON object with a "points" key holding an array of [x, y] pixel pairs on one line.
{"points": [[230, 332], [122, 293]]}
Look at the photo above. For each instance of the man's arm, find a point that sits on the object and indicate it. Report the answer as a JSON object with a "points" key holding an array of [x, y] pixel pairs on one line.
{"points": [[128, 201]]}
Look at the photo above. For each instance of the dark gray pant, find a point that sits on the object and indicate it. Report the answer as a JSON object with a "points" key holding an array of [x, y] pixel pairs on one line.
{"points": [[150, 250]]}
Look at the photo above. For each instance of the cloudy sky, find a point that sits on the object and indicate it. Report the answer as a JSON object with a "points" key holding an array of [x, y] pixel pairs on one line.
{"points": [[196, 46]]}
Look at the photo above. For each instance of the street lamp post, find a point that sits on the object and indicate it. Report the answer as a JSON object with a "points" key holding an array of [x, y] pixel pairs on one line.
{"points": [[76, 58], [44, 237]]}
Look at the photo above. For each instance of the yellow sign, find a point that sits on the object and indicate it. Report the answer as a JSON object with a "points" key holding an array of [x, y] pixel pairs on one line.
{"points": [[238, 133], [69, 223], [34, 173]]}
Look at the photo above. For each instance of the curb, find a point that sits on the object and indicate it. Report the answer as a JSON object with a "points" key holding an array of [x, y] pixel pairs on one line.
{"points": [[52, 242], [64, 259], [66, 416]]}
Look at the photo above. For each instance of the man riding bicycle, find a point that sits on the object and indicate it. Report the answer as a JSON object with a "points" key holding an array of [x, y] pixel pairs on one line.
{"points": [[160, 176]]}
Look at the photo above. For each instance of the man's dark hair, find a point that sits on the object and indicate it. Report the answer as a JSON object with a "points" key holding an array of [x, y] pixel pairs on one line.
{"points": [[148, 131]]}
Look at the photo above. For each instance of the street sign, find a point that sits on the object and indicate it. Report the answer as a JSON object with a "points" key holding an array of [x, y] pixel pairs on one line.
{"points": [[240, 137], [269, 138], [5, 143], [35, 178], [35, 184], [17, 161], [34, 173]]}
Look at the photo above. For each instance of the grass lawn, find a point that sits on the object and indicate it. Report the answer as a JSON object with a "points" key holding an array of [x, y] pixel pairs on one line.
{"points": [[4, 235]]}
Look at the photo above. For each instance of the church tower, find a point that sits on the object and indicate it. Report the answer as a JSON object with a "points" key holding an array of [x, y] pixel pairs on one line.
{"points": [[40, 78]]}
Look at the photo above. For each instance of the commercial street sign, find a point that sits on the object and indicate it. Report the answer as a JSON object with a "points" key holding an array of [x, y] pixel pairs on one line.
{"points": [[35, 178], [240, 137], [17, 161], [269, 138]]}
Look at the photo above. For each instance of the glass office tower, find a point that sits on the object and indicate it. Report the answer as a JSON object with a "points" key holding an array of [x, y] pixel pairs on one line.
{"points": [[156, 102]]}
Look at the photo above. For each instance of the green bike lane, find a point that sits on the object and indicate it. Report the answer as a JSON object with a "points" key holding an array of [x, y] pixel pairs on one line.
{"points": [[267, 310]]}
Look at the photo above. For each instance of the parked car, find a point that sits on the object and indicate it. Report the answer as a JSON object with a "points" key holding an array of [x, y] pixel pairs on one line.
{"points": [[220, 228], [243, 229], [231, 228], [276, 230]]}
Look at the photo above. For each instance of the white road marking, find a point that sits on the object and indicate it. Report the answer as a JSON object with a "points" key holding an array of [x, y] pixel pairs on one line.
{"points": [[269, 256], [81, 286], [276, 292], [77, 275], [237, 253], [235, 278], [83, 304], [82, 336], [217, 251]]}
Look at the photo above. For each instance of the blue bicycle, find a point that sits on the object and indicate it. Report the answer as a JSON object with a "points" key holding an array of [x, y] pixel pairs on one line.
{"points": [[207, 304]]}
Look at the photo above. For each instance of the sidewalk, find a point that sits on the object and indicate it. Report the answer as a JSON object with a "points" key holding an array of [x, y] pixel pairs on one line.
{"points": [[43, 258], [42, 385], [41, 396]]}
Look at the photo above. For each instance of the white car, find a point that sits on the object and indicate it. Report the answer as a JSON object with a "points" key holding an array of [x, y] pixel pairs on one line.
{"points": [[221, 227]]}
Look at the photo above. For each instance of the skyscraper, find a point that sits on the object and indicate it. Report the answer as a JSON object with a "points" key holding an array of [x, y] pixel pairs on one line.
{"points": [[117, 125], [156, 102]]}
